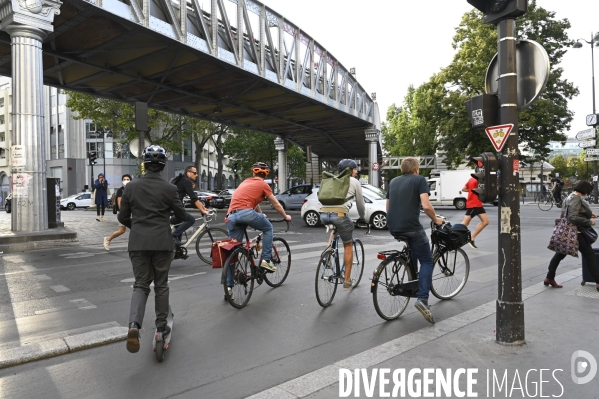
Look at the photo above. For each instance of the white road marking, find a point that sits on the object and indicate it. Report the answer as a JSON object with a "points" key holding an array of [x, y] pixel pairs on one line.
{"points": [[28, 269], [59, 288], [40, 277], [83, 303]]}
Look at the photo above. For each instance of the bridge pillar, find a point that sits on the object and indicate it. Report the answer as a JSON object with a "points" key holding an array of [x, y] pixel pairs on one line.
{"points": [[27, 23], [372, 136], [281, 147]]}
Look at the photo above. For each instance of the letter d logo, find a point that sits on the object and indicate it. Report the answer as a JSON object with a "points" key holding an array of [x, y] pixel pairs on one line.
{"points": [[580, 367]]}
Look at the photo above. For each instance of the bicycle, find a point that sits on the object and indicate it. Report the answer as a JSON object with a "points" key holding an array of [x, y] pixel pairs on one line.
{"points": [[395, 280], [203, 247], [241, 263], [546, 201], [328, 276]]}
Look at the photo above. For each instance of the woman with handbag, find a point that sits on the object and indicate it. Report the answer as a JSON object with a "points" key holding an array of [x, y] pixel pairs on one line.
{"points": [[577, 212]]}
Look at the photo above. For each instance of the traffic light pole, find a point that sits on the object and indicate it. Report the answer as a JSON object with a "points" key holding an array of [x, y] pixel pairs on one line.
{"points": [[510, 307]]}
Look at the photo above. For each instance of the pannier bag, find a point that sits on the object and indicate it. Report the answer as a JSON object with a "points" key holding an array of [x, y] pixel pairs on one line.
{"points": [[221, 250], [333, 188]]}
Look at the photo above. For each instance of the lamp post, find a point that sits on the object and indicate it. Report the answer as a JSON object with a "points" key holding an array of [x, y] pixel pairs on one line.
{"points": [[594, 42]]}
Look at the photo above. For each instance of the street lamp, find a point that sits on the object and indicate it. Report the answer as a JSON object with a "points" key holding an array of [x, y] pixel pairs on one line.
{"points": [[594, 42]]}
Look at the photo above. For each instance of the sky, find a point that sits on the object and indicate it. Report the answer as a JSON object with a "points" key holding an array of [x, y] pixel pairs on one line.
{"points": [[397, 43]]}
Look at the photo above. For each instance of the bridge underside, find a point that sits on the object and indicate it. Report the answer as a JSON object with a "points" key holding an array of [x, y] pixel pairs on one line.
{"points": [[97, 52]]}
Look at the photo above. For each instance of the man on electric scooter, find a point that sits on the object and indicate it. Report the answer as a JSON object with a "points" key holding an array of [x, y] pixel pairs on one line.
{"points": [[405, 196], [145, 209]]}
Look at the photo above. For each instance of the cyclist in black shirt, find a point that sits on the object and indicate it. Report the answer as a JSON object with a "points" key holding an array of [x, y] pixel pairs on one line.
{"points": [[556, 188], [185, 187]]}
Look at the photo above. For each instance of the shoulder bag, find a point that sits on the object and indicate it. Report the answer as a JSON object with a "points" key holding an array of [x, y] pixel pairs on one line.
{"points": [[589, 234], [564, 239]]}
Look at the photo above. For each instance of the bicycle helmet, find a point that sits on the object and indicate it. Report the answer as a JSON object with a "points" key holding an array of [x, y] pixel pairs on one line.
{"points": [[260, 167], [347, 163], [154, 154]]}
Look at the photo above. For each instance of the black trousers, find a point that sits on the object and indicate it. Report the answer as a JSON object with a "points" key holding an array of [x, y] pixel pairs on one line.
{"points": [[100, 208], [150, 266], [557, 196], [586, 250]]}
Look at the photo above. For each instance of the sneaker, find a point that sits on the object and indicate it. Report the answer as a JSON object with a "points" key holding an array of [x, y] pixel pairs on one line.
{"points": [[266, 264], [166, 330], [425, 309], [133, 338], [230, 290], [106, 244], [348, 285], [471, 243], [98, 219]]}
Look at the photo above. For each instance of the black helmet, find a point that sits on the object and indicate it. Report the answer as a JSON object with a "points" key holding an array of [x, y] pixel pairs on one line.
{"points": [[154, 154], [347, 163]]}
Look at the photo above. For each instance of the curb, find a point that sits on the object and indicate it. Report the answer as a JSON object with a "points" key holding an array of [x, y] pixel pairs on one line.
{"points": [[61, 346]]}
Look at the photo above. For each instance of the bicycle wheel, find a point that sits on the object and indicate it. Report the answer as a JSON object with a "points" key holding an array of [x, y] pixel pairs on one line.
{"points": [[389, 274], [325, 283], [204, 247], [240, 265], [357, 267], [281, 258], [450, 273], [546, 203]]}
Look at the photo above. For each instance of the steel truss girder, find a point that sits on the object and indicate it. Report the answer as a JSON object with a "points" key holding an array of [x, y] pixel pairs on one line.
{"points": [[283, 53], [426, 162]]}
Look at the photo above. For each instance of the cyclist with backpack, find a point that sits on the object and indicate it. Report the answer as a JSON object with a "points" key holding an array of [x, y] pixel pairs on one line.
{"points": [[556, 188], [337, 213]]}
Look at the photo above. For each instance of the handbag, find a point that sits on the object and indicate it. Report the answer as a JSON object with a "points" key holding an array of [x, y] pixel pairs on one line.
{"points": [[589, 234], [564, 239]]}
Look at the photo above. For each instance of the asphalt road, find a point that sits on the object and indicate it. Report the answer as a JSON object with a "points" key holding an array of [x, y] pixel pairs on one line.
{"points": [[218, 351]]}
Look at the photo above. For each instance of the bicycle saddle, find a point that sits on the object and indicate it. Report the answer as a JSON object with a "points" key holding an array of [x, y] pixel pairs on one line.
{"points": [[399, 237]]}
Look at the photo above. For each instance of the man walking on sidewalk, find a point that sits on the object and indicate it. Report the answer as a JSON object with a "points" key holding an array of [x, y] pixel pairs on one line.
{"points": [[474, 207], [146, 209]]}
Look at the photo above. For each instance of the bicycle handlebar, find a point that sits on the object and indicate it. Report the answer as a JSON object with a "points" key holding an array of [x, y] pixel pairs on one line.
{"points": [[282, 220]]}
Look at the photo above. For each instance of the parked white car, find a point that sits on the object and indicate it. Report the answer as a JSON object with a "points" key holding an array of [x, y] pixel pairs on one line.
{"points": [[81, 200], [376, 212]]}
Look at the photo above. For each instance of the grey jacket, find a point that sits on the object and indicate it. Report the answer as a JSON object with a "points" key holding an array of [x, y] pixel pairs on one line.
{"points": [[579, 211], [146, 208]]}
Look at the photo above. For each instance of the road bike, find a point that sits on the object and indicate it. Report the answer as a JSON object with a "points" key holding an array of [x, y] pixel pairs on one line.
{"points": [[204, 236], [328, 272], [395, 280], [243, 264], [546, 201]]}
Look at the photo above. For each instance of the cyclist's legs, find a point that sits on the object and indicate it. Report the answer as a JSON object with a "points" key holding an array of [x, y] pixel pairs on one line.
{"points": [[557, 196], [259, 222], [344, 227], [187, 223], [236, 231], [421, 250]]}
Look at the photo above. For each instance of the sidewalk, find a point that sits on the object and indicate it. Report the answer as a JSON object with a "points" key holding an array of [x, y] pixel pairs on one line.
{"points": [[559, 322]]}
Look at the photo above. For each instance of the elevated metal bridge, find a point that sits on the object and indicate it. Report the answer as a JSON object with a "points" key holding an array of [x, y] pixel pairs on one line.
{"points": [[236, 62]]}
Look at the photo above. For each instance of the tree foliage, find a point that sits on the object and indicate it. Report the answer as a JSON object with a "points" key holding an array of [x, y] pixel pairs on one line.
{"points": [[434, 118]]}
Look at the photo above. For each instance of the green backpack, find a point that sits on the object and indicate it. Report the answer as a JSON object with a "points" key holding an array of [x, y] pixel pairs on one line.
{"points": [[333, 188]]}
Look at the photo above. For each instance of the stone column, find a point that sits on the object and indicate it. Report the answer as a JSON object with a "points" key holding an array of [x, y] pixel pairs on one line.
{"points": [[28, 22], [372, 136], [281, 147]]}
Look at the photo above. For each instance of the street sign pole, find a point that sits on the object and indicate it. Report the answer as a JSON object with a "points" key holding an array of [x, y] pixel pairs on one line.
{"points": [[510, 307]]}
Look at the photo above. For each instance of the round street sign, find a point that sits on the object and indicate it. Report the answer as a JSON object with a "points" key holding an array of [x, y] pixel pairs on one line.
{"points": [[532, 67], [375, 166]]}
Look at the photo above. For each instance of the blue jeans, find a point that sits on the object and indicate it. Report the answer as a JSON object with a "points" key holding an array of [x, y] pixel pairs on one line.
{"points": [[421, 251], [187, 223], [253, 219]]}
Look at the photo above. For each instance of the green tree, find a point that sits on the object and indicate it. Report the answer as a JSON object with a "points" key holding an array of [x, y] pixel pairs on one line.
{"points": [[435, 112], [560, 164]]}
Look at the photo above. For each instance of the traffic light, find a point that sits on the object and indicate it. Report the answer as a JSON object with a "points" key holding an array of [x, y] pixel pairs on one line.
{"points": [[498, 10], [486, 174], [235, 167], [92, 158]]}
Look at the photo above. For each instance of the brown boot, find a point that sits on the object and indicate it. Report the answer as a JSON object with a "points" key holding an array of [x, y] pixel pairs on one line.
{"points": [[552, 282]]}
